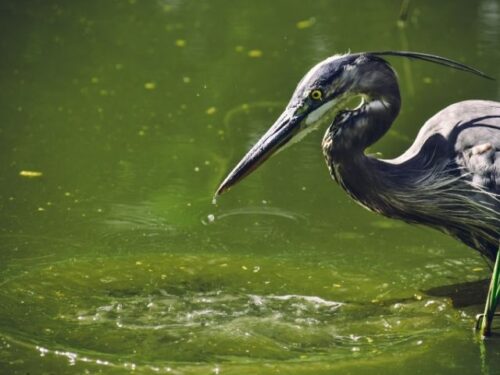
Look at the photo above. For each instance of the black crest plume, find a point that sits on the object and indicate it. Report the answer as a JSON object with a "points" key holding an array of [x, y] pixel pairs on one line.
{"points": [[433, 59]]}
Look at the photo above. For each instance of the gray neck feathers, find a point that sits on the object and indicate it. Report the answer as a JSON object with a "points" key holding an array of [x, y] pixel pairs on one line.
{"points": [[355, 130], [422, 192]]}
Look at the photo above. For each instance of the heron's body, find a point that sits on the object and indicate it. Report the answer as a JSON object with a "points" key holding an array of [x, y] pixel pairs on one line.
{"points": [[449, 179], [453, 162]]}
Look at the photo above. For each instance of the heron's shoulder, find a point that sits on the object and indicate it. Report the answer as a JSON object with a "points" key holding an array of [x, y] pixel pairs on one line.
{"points": [[472, 106], [472, 130], [458, 127], [458, 114], [464, 124]]}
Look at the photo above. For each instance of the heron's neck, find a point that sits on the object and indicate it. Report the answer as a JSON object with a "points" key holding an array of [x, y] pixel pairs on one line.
{"points": [[344, 147], [355, 130], [369, 181]]}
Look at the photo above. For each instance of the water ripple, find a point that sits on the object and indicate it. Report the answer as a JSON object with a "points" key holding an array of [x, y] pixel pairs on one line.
{"points": [[163, 310], [262, 210]]}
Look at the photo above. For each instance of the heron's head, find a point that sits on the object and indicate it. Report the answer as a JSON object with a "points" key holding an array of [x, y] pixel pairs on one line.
{"points": [[325, 90], [334, 84]]}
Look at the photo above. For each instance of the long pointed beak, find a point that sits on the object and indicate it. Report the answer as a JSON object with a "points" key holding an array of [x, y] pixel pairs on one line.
{"points": [[285, 127]]}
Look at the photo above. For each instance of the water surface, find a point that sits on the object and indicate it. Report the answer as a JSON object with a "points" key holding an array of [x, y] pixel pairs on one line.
{"points": [[118, 119]]}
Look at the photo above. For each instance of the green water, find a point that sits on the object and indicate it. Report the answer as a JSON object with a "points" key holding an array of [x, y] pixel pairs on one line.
{"points": [[115, 260]]}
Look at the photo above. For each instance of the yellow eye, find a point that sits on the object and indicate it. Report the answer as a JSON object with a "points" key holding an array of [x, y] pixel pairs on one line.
{"points": [[316, 94]]}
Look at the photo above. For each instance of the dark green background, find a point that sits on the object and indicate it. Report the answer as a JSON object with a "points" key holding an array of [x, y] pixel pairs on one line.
{"points": [[111, 260]]}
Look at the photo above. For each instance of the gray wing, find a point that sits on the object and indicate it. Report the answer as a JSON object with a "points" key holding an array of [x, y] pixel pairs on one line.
{"points": [[463, 140], [477, 149], [471, 132]]}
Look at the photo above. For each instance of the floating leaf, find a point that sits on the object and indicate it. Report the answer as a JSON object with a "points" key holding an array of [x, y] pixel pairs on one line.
{"points": [[255, 53], [211, 111], [180, 43], [305, 24], [30, 174]]}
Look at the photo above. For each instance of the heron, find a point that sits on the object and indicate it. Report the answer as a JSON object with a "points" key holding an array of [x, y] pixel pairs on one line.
{"points": [[448, 179]]}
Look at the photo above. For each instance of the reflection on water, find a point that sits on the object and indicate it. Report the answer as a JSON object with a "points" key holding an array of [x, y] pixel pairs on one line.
{"points": [[489, 26], [134, 217]]}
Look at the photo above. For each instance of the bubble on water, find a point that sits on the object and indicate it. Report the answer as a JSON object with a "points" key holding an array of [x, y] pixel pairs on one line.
{"points": [[43, 351], [210, 218], [72, 357]]}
